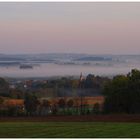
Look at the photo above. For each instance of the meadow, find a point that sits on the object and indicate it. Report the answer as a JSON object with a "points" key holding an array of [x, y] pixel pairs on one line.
{"points": [[69, 130]]}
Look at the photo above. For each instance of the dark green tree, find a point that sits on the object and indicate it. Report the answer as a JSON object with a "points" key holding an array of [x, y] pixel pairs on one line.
{"points": [[122, 94], [31, 103], [4, 87], [89, 81]]}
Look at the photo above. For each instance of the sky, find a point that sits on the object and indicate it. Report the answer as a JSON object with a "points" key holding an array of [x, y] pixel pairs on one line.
{"points": [[70, 27]]}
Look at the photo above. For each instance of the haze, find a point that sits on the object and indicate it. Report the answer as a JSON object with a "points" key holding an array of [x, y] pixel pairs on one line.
{"points": [[94, 28]]}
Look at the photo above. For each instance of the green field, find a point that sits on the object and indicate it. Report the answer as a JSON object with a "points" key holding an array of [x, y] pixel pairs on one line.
{"points": [[68, 130]]}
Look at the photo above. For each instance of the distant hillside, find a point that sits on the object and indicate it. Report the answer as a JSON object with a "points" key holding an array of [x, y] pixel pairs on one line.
{"points": [[93, 58]]}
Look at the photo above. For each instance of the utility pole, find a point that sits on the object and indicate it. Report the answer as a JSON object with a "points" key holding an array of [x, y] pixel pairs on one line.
{"points": [[81, 94]]}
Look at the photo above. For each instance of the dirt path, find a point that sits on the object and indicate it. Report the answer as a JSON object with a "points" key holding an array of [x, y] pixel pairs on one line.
{"points": [[80, 118]]}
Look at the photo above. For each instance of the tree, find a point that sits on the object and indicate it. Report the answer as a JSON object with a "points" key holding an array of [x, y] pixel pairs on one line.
{"points": [[31, 102], [70, 103], [96, 108], [134, 91], [4, 87], [54, 109], [115, 94], [122, 94], [46, 106], [62, 104], [16, 94], [89, 81], [46, 103], [75, 83]]}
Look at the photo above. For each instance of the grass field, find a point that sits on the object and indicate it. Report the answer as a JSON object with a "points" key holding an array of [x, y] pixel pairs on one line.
{"points": [[69, 130]]}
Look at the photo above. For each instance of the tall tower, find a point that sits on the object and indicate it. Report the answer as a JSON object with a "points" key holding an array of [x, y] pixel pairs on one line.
{"points": [[81, 80], [81, 77]]}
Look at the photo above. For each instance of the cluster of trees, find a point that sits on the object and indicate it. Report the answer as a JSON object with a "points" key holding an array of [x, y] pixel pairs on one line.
{"points": [[91, 81], [35, 107], [90, 85], [122, 93], [5, 91], [65, 86], [62, 107]]}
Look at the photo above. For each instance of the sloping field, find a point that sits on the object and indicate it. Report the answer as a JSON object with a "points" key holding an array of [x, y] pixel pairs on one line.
{"points": [[13, 102], [69, 130], [76, 100]]}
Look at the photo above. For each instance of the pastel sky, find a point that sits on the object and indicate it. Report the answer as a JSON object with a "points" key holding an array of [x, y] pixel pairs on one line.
{"points": [[95, 28]]}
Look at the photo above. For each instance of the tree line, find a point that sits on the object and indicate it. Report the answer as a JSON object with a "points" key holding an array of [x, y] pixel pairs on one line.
{"points": [[35, 107], [122, 93]]}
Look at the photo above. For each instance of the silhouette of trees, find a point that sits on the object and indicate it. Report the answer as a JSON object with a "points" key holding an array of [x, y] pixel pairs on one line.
{"points": [[123, 93], [4, 87]]}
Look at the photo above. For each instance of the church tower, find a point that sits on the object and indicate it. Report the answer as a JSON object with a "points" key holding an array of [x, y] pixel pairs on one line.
{"points": [[81, 80], [81, 77]]}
